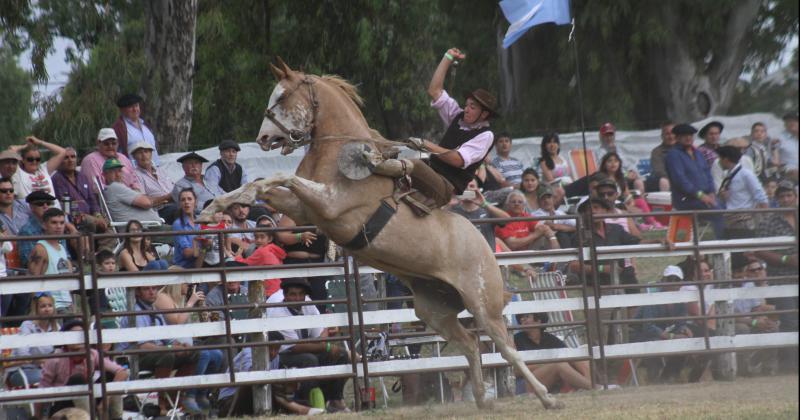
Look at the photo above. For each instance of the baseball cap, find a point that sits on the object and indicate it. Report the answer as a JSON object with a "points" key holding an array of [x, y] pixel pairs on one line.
{"points": [[112, 163], [673, 270], [545, 190], [607, 128], [142, 145], [106, 133]]}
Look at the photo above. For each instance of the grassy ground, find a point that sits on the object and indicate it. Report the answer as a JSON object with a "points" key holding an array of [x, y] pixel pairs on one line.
{"points": [[752, 398]]}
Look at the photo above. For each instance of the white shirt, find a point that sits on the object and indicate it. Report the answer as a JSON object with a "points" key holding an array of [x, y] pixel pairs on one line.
{"points": [[25, 183], [278, 312]]}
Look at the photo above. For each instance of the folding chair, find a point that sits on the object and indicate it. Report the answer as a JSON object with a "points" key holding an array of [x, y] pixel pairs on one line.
{"points": [[550, 279], [578, 165]]}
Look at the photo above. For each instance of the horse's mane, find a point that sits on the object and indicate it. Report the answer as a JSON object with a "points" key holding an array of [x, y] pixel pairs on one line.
{"points": [[350, 90]]}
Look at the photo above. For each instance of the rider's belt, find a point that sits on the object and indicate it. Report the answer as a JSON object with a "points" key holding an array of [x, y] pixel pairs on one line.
{"points": [[373, 227]]}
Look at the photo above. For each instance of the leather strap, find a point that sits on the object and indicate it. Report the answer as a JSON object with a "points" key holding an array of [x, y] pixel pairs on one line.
{"points": [[373, 227]]}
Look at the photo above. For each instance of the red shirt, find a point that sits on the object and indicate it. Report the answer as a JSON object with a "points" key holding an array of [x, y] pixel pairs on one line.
{"points": [[266, 255], [518, 229]]}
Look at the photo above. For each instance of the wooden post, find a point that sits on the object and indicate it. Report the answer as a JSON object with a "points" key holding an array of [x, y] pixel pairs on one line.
{"points": [[262, 395], [726, 362]]}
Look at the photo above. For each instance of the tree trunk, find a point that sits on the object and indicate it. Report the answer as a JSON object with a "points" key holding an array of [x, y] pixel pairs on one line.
{"points": [[169, 53], [691, 89]]}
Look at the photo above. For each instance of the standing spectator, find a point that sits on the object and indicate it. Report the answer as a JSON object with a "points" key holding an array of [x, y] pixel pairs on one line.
{"points": [[783, 262], [530, 188], [266, 253], [740, 190], [521, 235], [34, 175], [718, 173], [9, 162], [92, 164], [186, 247], [552, 165], [193, 178], [509, 167], [225, 172], [156, 184], [690, 177], [68, 182], [43, 305], [758, 150], [130, 127], [477, 208], [711, 133], [123, 202], [563, 228], [659, 178], [50, 257], [787, 146]]}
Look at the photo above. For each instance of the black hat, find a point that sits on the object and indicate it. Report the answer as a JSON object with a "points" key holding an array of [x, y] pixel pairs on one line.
{"points": [[790, 116], [37, 196], [128, 99], [192, 155], [704, 130], [682, 129], [296, 282], [586, 202], [229, 144]]}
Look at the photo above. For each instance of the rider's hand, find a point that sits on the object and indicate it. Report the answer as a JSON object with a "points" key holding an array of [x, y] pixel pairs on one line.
{"points": [[416, 143], [457, 54]]}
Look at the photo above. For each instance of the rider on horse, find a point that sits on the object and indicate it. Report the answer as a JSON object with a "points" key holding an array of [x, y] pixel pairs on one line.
{"points": [[466, 143]]}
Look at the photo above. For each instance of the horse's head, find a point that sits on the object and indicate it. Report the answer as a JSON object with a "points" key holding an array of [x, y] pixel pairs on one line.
{"points": [[289, 117]]}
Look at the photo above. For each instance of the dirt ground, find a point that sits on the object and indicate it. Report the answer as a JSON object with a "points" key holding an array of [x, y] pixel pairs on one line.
{"points": [[751, 398]]}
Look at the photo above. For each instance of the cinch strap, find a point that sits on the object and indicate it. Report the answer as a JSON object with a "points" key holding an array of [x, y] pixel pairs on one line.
{"points": [[373, 227]]}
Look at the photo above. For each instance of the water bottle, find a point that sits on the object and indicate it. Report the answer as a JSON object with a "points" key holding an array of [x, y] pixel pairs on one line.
{"points": [[66, 203]]}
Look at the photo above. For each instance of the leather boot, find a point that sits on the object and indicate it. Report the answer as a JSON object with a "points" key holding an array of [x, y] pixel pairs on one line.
{"points": [[393, 168]]}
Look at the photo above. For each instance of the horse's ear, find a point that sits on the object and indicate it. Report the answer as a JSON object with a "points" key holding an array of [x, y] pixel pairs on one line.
{"points": [[278, 73], [282, 65]]}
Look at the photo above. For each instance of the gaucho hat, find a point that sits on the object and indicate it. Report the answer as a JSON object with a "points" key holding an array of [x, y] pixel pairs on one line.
{"points": [[704, 130], [486, 99]]}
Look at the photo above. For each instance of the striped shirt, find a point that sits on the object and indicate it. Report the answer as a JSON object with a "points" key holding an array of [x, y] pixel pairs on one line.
{"points": [[510, 168]]}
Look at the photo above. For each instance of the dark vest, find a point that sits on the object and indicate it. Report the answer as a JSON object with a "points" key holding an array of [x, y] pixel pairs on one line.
{"points": [[453, 138], [229, 181]]}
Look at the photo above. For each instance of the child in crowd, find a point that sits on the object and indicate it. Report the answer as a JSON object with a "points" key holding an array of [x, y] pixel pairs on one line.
{"points": [[266, 253], [43, 305], [210, 243], [106, 263]]}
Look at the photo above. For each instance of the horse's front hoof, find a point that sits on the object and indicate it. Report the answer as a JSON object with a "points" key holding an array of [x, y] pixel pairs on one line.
{"points": [[555, 404]]}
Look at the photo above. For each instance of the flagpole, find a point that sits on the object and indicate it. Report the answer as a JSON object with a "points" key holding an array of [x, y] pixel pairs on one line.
{"points": [[590, 221]]}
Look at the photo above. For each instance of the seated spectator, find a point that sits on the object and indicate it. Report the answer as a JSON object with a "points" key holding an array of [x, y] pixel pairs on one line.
{"points": [[611, 166], [770, 186], [530, 186], [173, 296], [478, 208], [43, 305], [186, 249], [711, 134], [33, 174], [50, 257], [14, 214], [156, 184], [303, 248], [666, 369], [509, 167], [210, 244], [787, 147], [130, 127], [76, 370], [9, 162], [690, 178], [193, 179], [123, 202], [563, 228], [161, 362], [216, 296], [68, 182], [238, 402], [136, 255], [521, 235], [584, 186], [106, 263], [659, 178], [693, 308], [225, 172], [765, 360], [608, 190], [39, 202], [92, 164], [552, 165], [266, 253], [307, 355], [740, 190], [239, 213], [577, 375]]}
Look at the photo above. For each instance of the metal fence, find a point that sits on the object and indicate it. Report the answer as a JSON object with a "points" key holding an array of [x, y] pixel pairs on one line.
{"points": [[359, 324]]}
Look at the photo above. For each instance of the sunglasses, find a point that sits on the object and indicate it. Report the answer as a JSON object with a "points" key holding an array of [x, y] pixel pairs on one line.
{"points": [[33, 159], [42, 203], [7, 191]]}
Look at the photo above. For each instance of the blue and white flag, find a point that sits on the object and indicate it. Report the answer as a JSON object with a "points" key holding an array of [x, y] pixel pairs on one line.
{"points": [[525, 14]]}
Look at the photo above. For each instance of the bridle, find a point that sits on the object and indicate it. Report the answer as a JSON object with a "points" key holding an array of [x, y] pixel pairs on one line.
{"points": [[297, 138]]}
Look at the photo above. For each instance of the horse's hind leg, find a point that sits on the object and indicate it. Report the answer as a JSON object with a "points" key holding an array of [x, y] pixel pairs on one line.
{"points": [[495, 327]]}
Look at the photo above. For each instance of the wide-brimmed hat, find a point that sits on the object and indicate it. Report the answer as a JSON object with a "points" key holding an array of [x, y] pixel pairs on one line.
{"points": [[296, 282], [192, 155], [229, 144], [487, 100], [128, 99], [704, 130]]}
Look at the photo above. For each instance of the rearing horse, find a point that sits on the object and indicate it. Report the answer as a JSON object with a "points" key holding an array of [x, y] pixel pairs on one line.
{"points": [[442, 258]]}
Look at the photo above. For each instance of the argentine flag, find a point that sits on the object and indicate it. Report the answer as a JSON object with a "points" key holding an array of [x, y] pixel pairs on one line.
{"points": [[525, 14]]}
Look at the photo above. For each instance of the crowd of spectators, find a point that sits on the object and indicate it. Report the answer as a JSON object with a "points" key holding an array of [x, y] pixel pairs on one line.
{"points": [[121, 181]]}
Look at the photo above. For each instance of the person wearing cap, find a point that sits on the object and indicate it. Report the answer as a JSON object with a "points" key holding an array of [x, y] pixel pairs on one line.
{"points": [[711, 134], [608, 138], [39, 202], [156, 183], [130, 127], [563, 228], [225, 172], [306, 355], [608, 144], [9, 163], [739, 190], [690, 177], [474, 206], [462, 149], [123, 202], [718, 172], [787, 146], [33, 174], [193, 178], [92, 164]]}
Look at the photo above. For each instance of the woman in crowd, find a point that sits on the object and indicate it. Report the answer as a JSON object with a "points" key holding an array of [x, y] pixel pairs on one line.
{"points": [[611, 165], [34, 175], [43, 305], [700, 364], [521, 235], [186, 249], [136, 254], [552, 165], [529, 187]]}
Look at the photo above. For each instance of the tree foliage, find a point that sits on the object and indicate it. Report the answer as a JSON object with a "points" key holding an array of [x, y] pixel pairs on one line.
{"points": [[15, 101]]}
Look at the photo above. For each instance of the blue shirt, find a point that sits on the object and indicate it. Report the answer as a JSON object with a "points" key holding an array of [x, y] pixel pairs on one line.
{"points": [[745, 191], [19, 217], [182, 242], [135, 135], [687, 176]]}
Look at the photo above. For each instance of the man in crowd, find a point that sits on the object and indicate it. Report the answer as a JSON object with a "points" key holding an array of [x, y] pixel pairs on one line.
{"points": [[758, 150], [68, 182], [39, 202], [130, 127], [156, 184], [474, 206], [608, 139], [750, 267], [740, 190], [711, 133], [239, 213], [14, 213], [690, 177], [306, 355], [50, 256], [215, 296], [465, 145], [509, 167], [193, 178], [225, 172], [92, 164], [9, 163], [659, 178], [787, 146], [123, 202], [564, 228]]}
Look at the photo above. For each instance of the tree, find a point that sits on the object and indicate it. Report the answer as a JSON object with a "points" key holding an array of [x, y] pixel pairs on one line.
{"points": [[15, 101]]}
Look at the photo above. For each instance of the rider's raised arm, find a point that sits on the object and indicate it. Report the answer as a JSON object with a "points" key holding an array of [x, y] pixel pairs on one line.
{"points": [[436, 86]]}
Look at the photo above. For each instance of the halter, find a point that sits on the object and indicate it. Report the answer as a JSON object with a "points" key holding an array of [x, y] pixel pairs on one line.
{"points": [[297, 138]]}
